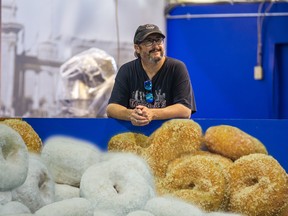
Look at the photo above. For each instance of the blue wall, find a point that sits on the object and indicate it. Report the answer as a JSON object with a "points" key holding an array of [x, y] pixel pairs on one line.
{"points": [[221, 53]]}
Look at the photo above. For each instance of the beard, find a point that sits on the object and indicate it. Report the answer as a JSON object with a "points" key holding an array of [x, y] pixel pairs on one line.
{"points": [[155, 59]]}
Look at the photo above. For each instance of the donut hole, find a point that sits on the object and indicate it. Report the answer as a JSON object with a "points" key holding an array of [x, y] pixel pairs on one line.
{"points": [[190, 185], [117, 188], [42, 181], [251, 181], [9, 152]]}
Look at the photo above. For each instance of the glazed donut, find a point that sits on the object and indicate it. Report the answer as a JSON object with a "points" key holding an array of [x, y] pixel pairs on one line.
{"points": [[232, 142], [197, 179], [14, 207], [116, 185], [69, 207], [5, 197], [28, 134], [258, 186], [67, 158], [128, 142], [171, 206], [38, 189], [13, 159], [172, 139]]}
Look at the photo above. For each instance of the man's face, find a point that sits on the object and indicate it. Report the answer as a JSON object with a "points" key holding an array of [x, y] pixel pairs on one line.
{"points": [[152, 48]]}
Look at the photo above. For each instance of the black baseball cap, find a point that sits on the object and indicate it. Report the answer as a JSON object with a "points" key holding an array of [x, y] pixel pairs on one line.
{"points": [[144, 31]]}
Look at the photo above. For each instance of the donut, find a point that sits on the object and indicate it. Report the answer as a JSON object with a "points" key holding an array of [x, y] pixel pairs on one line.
{"points": [[63, 191], [5, 197], [222, 214], [102, 212], [116, 185], [69, 207], [67, 158], [197, 179], [128, 142], [29, 135], [140, 213], [258, 186], [13, 159], [171, 206], [131, 161], [172, 139], [38, 189], [232, 142], [14, 207]]}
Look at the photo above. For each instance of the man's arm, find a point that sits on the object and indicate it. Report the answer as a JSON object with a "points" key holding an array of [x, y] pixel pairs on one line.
{"points": [[119, 112], [169, 112]]}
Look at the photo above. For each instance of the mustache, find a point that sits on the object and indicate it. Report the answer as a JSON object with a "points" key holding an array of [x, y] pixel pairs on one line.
{"points": [[155, 50]]}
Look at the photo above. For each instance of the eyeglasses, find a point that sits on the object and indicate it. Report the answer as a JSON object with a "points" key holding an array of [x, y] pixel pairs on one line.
{"points": [[149, 42], [148, 87]]}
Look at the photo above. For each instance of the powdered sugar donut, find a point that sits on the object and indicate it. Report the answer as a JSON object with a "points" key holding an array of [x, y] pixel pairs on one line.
{"points": [[168, 206], [131, 161], [117, 186], [28, 134], [69, 207], [67, 158], [14, 207], [140, 213], [5, 197], [98, 212], [38, 189], [13, 159], [63, 191]]}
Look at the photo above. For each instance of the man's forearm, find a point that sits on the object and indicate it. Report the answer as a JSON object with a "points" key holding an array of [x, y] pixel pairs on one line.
{"points": [[119, 112], [173, 111]]}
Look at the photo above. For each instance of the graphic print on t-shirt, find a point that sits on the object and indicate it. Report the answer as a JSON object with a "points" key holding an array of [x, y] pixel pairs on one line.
{"points": [[138, 98]]}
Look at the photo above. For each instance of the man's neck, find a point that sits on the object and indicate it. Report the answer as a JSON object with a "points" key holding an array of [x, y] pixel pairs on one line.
{"points": [[152, 68]]}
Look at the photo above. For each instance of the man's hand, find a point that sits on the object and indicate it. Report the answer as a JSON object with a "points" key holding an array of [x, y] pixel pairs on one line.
{"points": [[141, 116]]}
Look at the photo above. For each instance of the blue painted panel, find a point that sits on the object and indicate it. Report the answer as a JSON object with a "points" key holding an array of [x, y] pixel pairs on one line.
{"points": [[221, 53], [272, 133]]}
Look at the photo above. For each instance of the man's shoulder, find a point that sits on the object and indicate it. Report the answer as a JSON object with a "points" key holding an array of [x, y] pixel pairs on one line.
{"points": [[171, 60], [130, 63]]}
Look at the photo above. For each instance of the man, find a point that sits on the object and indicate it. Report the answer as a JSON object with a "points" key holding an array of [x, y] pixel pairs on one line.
{"points": [[153, 86]]}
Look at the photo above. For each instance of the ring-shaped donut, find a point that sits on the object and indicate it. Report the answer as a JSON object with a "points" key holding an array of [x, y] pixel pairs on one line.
{"points": [[197, 179], [38, 189], [13, 159], [28, 134], [258, 186]]}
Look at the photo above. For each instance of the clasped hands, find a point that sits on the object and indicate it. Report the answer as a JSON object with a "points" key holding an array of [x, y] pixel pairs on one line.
{"points": [[141, 116]]}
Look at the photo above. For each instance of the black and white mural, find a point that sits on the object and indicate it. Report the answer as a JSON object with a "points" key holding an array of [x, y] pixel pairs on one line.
{"points": [[54, 48]]}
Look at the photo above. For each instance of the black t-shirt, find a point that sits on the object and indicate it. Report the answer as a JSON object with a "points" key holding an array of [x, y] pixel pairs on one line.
{"points": [[171, 85]]}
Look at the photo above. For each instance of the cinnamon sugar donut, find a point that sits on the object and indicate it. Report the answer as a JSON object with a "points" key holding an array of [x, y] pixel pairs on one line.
{"points": [[128, 142], [172, 139], [232, 142], [28, 134], [197, 179], [258, 186]]}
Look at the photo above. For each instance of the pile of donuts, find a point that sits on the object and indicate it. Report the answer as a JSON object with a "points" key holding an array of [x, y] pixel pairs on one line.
{"points": [[68, 176], [222, 169]]}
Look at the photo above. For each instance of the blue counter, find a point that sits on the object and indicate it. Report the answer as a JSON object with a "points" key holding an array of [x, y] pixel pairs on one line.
{"points": [[272, 133]]}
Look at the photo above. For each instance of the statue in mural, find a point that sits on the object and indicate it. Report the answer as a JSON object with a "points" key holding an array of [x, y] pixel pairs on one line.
{"points": [[85, 84]]}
